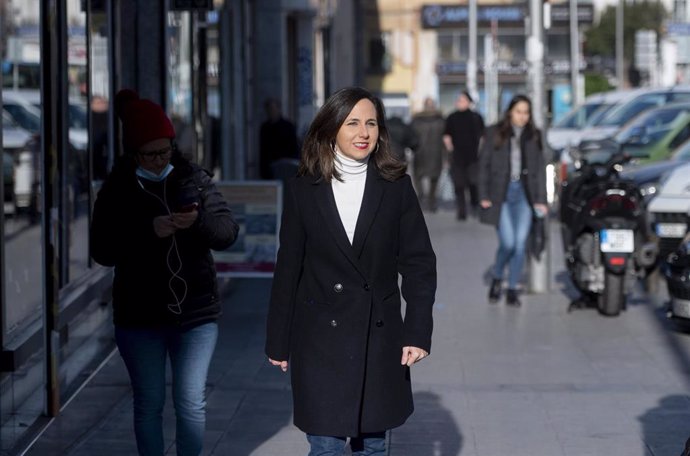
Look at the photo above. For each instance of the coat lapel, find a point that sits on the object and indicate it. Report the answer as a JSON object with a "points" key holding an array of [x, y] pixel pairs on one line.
{"points": [[373, 193], [326, 204]]}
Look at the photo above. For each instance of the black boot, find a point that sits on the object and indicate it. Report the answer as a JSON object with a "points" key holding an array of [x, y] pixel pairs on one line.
{"points": [[495, 291], [512, 298]]}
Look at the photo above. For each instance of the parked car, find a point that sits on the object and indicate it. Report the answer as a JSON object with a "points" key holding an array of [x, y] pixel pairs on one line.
{"points": [[632, 104], [562, 134], [648, 176], [651, 136], [21, 101], [15, 141], [668, 210]]}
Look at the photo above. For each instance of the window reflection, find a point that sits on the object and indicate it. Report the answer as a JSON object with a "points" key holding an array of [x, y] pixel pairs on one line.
{"points": [[77, 173], [22, 391]]}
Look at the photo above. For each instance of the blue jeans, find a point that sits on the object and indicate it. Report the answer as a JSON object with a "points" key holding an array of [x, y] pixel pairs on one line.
{"points": [[363, 445], [145, 353], [513, 231]]}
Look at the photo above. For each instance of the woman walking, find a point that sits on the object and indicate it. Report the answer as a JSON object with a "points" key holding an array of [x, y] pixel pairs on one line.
{"points": [[512, 185], [155, 220], [351, 224]]}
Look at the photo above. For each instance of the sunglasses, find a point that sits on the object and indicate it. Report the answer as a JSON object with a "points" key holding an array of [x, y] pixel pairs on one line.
{"points": [[153, 154]]}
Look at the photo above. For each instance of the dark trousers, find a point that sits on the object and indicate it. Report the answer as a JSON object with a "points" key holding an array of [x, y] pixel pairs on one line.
{"points": [[431, 196], [464, 180]]}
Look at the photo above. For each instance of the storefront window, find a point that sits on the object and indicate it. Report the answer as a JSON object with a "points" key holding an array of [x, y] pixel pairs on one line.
{"points": [[77, 172], [21, 399], [179, 70]]}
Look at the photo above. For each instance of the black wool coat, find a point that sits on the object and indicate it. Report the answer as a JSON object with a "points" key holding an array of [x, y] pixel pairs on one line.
{"points": [[335, 309], [122, 236], [494, 172]]}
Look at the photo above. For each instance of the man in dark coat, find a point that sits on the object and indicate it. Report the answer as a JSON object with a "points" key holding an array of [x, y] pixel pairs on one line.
{"points": [[429, 126], [464, 129], [277, 139]]}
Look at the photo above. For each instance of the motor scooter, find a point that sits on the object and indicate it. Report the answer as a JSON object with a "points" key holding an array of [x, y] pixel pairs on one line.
{"points": [[607, 242]]}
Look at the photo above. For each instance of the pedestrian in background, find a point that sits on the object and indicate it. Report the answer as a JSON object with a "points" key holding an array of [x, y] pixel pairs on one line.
{"points": [[464, 129], [155, 220], [401, 135], [351, 223], [512, 185], [428, 126], [277, 139]]}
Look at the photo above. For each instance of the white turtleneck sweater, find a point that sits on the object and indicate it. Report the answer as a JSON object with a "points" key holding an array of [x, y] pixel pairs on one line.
{"points": [[349, 193]]}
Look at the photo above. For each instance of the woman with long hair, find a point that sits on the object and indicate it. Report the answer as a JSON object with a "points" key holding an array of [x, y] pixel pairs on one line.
{"points": [[351, 224], [512, 186]]}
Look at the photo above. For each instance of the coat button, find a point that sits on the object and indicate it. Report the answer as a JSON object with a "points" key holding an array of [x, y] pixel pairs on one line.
{"points": [[334, 323], [379, 323], [366, 286], [338, 287]]}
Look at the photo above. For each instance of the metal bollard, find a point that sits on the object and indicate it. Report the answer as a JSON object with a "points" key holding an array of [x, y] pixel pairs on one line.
{"points": [[539, 270]]}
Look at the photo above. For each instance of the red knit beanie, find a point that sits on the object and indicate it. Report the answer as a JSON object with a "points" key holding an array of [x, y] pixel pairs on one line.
{"points": [[142, 120]]}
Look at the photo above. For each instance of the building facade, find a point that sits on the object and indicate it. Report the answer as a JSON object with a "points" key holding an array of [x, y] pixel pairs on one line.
{"points": [[421, 48]]}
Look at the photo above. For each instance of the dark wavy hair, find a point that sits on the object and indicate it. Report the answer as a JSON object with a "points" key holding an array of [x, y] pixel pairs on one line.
{"points": [[318, 155], [505, 127]]}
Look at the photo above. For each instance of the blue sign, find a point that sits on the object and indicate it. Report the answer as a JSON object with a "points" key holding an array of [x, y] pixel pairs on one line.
{"points": [[561, 101], [679, 28], [435, 16]]}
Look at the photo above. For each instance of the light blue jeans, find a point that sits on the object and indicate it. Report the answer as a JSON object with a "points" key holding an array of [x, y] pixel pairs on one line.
{"points": [[145, 353], [513, 231], [363, 445]]}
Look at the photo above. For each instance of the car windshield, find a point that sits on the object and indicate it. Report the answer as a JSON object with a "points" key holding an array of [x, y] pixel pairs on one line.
{"points": [[623, 113], [25, 118], [599, 114], [578, 117], [651, 126]]}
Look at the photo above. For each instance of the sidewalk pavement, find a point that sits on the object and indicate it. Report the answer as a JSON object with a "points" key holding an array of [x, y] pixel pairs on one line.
{"points": [[534, 381]]}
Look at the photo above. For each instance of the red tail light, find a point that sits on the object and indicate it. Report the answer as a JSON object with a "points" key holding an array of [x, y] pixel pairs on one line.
{"points": [[617, 261]]}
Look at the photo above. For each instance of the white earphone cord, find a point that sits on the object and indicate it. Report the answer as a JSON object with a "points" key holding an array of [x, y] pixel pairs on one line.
{"points": [[176, 307]]}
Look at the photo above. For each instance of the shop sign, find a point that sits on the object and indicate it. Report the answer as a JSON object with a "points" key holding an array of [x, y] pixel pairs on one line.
{"points": [[678, 28], [190, 5], [503, 67], [439, 16], [561, 13], [256, 207]]}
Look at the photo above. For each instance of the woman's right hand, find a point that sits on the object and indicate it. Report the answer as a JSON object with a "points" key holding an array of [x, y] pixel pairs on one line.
{"points": [[164, 226], [485, 204], [282, 364]]}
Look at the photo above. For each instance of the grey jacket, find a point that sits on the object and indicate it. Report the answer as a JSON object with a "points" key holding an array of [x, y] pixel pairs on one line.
{"points": [[494, 172]]}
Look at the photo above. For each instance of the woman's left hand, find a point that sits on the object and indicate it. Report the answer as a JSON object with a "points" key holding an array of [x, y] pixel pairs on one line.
{"points": [[412, 355], [541, 208], [183, 220]]}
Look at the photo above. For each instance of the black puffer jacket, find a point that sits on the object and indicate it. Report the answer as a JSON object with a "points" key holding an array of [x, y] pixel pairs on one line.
{"points": [[122, 235]]}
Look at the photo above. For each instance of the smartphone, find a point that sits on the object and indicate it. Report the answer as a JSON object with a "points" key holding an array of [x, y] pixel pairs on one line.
{"points": [[188, 207]]}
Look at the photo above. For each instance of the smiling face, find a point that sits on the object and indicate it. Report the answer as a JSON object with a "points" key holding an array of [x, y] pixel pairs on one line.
{"points": [[519, 114], [359, 133]]}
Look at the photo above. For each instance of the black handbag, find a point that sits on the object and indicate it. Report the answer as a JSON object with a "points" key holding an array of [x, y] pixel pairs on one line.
{"points": [[537, 238]]}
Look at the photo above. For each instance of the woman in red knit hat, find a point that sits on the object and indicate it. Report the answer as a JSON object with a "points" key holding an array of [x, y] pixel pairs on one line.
{"points": [[155, 220]]}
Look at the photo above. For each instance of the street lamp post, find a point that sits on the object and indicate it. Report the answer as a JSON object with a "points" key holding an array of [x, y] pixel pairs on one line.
{"points": [[539, 270]]}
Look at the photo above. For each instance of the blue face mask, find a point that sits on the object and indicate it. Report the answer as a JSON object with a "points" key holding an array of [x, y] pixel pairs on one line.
{"points": [[151, 176]]}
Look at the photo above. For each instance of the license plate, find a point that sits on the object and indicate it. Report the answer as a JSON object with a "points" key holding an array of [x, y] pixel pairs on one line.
{"points": [[618, 241], [671, 230]]}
